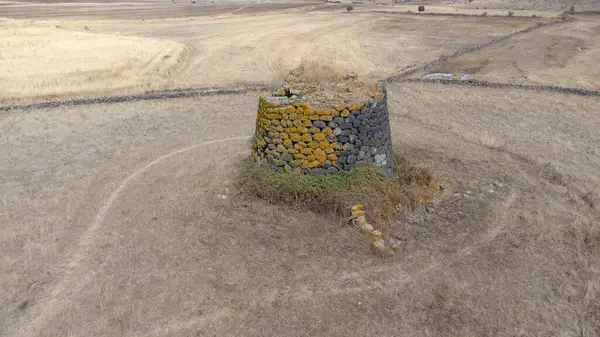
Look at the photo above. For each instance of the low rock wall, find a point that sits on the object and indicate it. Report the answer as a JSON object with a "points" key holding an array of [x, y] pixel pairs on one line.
{"points": [[292, 134]]}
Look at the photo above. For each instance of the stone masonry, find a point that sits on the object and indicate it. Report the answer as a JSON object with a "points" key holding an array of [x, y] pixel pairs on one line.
{"points": [[292, 134]]}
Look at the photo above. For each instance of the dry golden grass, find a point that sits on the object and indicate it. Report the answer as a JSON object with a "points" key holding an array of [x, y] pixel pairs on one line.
{"points": [[564, 55], [173, 53]]}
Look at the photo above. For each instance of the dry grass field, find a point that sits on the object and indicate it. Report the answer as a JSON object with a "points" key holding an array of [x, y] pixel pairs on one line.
{"points": [[564, 55], [110, 224], [65, 59]]}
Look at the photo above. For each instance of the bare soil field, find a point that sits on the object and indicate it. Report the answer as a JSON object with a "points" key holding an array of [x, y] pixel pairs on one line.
{"points": [[55, 59], [111, 225], [564, 55]]}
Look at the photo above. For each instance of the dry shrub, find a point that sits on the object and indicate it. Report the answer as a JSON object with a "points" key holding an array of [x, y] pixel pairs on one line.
{"points": [[336, 193]]}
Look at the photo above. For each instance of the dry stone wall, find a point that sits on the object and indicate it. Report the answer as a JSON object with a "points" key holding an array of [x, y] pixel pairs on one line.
{"points": [[293, 134]]}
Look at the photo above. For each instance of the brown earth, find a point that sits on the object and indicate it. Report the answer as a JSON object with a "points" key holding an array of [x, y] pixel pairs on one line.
{"points": [[111, 224]]}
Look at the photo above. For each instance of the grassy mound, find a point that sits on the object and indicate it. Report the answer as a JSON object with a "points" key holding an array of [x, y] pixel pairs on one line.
{"points": [[336, 193]]}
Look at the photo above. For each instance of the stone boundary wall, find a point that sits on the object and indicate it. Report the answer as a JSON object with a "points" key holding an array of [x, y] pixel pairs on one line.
{"points": [[153, 95], [471, 49], [293, 135], [474, 83]]}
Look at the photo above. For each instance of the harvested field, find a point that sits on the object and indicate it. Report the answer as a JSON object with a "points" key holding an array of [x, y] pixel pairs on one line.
{"points": [[183, 53], [563, 55]]}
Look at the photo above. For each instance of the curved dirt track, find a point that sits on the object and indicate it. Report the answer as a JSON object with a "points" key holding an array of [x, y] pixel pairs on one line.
{"points": [[113, 219]]}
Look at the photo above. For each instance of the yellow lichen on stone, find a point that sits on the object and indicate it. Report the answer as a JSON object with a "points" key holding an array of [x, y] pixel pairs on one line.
{"points": [[279, 128], [311, 157], [292, 151], [300, 145], [327, 131], [307, 124], [333, 163], [313, 117], [281, 148], [340, 108], [284, 136], [285, 117], [313, 145], [313, 164], [277, 141], [319, 137], [323, 145], [302, 117], [332, 157], [321, 112], [297, 123], [295, 137], [305, 163], [289, 109], [306, 150], [355, 106], [304, 130], [320, 155], [273, 116], [293, 116], [345, 113], [326, 118], [329, 150], [314, 130], [378, 95], [281, 92], [308, 112], [335, 114], [306, 137], [287, 142], [299, 156]]}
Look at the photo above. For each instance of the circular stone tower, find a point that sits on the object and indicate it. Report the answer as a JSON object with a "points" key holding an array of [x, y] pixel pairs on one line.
{"points": [[324, 128]]}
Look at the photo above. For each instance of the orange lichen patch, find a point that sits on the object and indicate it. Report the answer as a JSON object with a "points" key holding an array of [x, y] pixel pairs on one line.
{"points": [[293, 116], [315, 131], [319, 137], [345, 113], [313, 117], [329, 150], [378, 95], [355, 107], [307, 150], [287, 143], [295, 137], [313, 145], [332, 157], [311, 157], [320, 155], [299, 156], [306, 124], [308, 112], [321, 112], [300, 145], [340, 108], [326, 118], [313, 164], [327, 131], [324, 145]]}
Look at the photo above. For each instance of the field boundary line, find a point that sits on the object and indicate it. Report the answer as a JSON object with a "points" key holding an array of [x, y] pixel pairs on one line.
{"points": [[471, 49], [156, 95], [534, 87]]}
